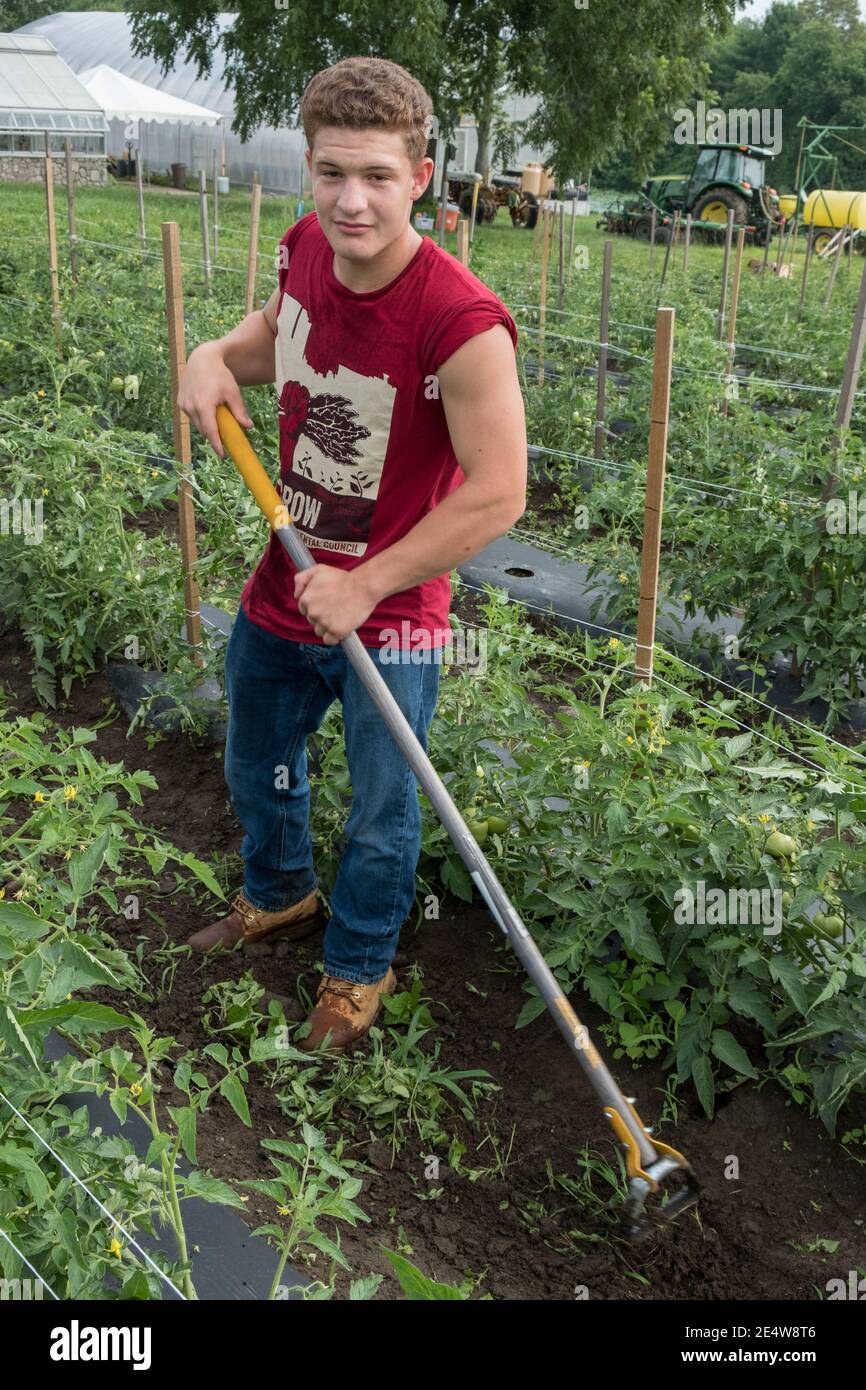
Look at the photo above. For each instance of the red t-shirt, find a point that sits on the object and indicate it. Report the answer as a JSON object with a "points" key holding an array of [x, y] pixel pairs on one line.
{"points": [[364, 446]]}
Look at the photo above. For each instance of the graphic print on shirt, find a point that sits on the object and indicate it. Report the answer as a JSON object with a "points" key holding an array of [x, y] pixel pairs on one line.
{"points": [[334, 429]]}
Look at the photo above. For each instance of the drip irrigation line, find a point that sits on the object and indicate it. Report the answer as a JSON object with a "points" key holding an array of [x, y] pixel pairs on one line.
{"points": [[662, 651], [25, 1261], [113, 1219]]}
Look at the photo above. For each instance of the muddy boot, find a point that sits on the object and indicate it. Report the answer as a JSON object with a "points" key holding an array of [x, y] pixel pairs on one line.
{"points": [[347, 1010], [246, 924]]}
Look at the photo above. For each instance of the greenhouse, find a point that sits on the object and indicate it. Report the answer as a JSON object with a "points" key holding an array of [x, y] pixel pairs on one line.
{"points": [[94, 38], [42, 99]]}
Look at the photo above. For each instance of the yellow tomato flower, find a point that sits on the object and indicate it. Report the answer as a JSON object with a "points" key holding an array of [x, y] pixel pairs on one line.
{"points": [[135, 1089], [283, 1211], [811, 824], [68, 854], [37, 796], [70, 793], [115, 1247], [45, 492], [623, 578], [154, 472], [40, 392], [629, 739], [613, 643], [763, 818]]}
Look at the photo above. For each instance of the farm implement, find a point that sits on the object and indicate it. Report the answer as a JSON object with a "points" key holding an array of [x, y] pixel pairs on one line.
{"points": [[725, 177], [648, 1163]]}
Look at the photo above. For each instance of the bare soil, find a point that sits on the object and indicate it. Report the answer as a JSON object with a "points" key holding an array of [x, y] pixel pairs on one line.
{"points": [[751, 1235]]}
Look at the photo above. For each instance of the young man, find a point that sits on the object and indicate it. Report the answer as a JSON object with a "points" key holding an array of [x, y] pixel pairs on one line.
{"points": [[402, 454]]}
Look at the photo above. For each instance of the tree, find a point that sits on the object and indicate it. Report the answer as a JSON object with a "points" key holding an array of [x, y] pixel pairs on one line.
{"points": [[605, 75]]}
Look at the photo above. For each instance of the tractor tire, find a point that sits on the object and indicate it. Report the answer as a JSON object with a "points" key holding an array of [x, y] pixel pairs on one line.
{"points": [[643, 229], [728, 199]]}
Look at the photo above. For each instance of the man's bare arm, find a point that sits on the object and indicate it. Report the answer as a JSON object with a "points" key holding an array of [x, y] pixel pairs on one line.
{"points": [[217, 369], [480, 392]]}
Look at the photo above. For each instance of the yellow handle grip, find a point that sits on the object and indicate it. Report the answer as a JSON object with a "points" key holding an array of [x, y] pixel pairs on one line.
{"points": [[248, 464]]}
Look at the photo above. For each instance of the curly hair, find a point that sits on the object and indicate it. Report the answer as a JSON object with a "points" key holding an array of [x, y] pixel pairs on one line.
{"points": [[368, 92]]}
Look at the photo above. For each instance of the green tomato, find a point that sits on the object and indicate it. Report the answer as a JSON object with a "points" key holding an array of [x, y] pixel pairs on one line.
{"points": [[478, 829], [829, 923], [116, 385], [98, 355], [780, 846], [787, 899], [497, 824]]}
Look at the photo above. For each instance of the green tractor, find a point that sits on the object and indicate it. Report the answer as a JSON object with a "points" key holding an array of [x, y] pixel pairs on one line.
{"points": [[725, 177]]}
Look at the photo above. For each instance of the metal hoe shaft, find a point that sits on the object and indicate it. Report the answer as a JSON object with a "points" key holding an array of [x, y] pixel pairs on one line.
{"points": [[648, 1161]]}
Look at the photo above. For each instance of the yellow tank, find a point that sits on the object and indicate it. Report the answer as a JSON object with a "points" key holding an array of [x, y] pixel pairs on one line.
{"points": [[531, 180], [835, 207], [788, 205]]}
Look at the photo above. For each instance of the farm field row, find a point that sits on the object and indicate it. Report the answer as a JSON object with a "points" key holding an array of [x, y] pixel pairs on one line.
{"points": [[613, 798]]}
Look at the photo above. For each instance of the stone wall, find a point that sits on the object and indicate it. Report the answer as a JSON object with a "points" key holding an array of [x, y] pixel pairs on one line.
{"points": [[89, 172]]}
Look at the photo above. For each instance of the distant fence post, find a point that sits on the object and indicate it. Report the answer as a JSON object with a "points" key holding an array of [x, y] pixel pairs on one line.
{"points": [[730, 379], [729, 232], [601, 392], [182, 446], [52, 246], [70, 212], [655, 488], [253, 249]]}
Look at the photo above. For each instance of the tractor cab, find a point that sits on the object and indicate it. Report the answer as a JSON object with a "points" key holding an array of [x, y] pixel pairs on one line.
{"points": [[739, 168]]}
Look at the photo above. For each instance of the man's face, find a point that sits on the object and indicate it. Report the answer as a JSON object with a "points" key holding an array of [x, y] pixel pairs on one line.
{"points": [[364, 187]]}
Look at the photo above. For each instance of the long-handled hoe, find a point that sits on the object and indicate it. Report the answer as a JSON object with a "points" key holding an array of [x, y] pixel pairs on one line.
{"points": [[648, 1162]]}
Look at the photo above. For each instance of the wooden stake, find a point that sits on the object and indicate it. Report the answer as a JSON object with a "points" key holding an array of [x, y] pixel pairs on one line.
{"points": [[474, 213], [850, 376], [770, 230], [835, 267], [806, 265], [542, 311], [600, 399], [141, 196], [571, 240], [652, 241], [253, 251], [52, 246], [205, 234], [850, 379], [463, 241], [783, 246], [655, 489], [216, 205], [732, 319], [561, 254], [70, 213], [686, 241], [670, 246], [729, 232], [182, 448]]}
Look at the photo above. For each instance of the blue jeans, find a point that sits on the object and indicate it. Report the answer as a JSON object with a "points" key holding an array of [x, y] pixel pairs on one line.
{"points": [[279, 692]]}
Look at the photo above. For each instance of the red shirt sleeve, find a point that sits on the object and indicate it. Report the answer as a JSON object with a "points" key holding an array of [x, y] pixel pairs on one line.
{"points": [[459, 322]]}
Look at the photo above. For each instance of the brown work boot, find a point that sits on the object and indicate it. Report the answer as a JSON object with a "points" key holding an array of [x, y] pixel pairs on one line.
{"points": [[247, 924], [347, 1010]]}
